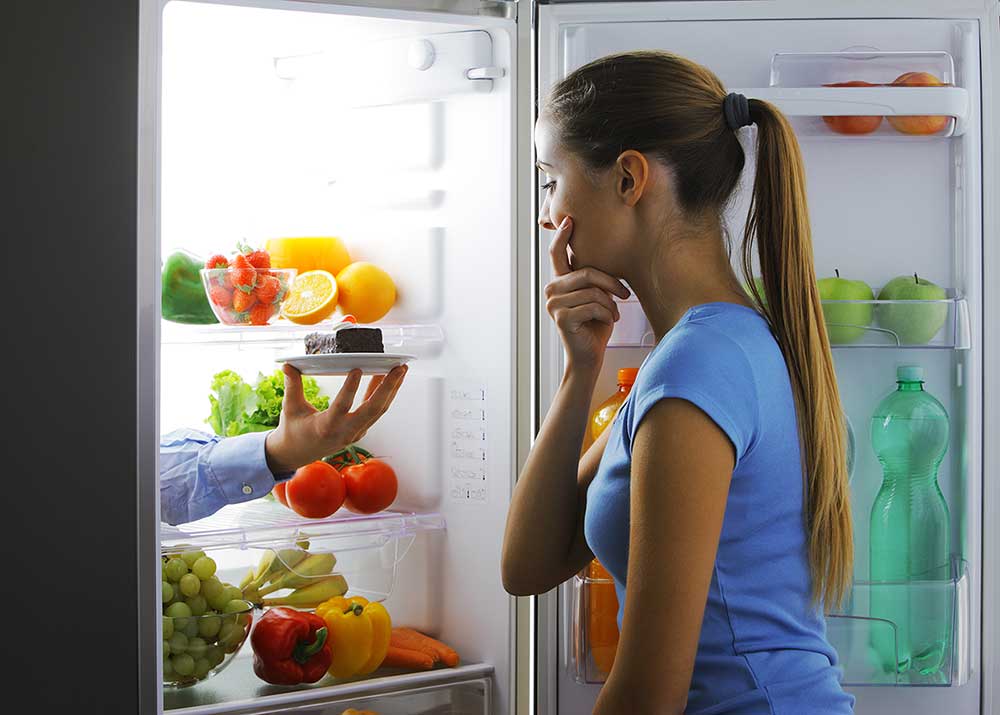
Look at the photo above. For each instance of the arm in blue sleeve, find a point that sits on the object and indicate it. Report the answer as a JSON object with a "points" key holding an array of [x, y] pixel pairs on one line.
{"points": [[201, 473]]}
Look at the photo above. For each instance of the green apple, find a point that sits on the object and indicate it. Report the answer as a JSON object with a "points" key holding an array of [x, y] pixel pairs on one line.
{"points": [[845, 322], [913, 324], [759, 283]]}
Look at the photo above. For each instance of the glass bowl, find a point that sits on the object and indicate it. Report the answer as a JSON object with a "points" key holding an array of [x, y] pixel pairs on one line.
{"points": [[250, 296], [197, 647]]}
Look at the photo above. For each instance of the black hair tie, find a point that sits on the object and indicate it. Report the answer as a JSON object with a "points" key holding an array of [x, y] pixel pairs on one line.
{"points": [[737, 110]]}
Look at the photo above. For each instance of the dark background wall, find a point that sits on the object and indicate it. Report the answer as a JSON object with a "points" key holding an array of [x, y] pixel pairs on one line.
{"points": [[68, 113]]}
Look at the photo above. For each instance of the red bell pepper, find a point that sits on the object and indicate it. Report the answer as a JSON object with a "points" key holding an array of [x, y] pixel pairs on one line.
{"points": [[290, 647]]}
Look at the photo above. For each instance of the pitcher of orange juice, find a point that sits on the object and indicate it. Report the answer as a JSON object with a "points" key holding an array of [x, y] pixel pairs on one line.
{"points": [[602, 601]]}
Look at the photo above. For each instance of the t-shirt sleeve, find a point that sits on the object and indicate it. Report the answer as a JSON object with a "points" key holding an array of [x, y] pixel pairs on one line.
{"points": [[710, 370]]}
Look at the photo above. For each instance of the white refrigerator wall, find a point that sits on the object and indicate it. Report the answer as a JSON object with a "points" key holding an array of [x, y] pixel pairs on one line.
{"points": [[253, 149], [878, 208]]}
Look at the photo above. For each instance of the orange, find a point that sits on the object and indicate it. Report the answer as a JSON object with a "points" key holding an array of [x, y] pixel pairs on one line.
{"points": [[308, 253], [312, 298], [366, 291]]}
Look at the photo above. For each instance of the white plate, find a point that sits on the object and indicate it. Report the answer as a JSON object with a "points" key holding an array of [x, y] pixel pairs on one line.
{"points": [[343, 363]]}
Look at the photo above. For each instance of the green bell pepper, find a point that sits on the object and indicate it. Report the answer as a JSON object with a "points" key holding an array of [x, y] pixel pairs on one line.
{"points": [[183, 295]]}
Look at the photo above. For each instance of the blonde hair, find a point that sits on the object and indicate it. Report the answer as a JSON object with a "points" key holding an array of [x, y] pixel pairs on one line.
{"points": [[671, 108]]}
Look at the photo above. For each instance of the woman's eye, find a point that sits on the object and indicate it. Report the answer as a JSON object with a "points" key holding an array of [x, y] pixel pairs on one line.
{"points": [[548, 185]]}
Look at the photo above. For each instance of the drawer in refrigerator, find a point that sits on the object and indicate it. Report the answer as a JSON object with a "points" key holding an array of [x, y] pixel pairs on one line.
{"points": [[593, 639], [905, 633], [862, 92]]}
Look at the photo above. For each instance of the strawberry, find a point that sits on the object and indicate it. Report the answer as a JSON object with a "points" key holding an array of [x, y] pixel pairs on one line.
{"points": [[267, 289], [217, 261], [220, 296], [260, 313], [242, 301], [244, 275], [259, 258]]}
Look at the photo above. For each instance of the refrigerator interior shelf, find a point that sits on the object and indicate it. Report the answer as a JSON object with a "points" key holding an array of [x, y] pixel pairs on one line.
{"points": [[911, 324], [465, 690], [417, 339], [920, 627], [366, 549]]}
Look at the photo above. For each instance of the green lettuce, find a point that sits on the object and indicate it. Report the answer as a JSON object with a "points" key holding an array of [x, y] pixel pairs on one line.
{"points": [[239, 408]]}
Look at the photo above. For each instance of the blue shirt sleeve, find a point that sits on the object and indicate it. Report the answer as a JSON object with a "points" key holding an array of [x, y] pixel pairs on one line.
{"points": [[201, 473], [710, 370]]}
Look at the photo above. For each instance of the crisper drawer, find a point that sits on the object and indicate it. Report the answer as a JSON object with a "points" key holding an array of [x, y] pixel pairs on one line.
{"points": [[470, 697]]}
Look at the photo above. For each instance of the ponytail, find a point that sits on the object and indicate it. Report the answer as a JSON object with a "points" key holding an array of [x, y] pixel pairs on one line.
{"points": [[779, 224]]}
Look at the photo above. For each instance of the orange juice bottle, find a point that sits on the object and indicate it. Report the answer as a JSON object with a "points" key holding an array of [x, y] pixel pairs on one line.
{"points": [[602, 607]]}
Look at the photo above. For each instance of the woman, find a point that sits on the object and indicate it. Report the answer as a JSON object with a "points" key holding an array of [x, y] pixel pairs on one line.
{"points": [[718, 498]]}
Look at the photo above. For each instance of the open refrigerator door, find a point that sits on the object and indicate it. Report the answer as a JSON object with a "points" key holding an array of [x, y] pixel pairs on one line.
{"points": [[374, 133], [899, 197]]}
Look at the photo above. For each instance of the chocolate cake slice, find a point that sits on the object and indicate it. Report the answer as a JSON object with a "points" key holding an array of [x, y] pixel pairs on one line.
{"points": [[345, 340]]}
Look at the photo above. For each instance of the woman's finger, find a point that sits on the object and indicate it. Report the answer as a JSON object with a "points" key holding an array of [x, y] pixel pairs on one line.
{"points": [[582, 297], [585, 277], [570, 320], [557, 249]]}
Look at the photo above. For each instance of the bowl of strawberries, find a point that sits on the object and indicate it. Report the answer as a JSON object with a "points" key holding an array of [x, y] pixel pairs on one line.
{"points": [[243, 289]]}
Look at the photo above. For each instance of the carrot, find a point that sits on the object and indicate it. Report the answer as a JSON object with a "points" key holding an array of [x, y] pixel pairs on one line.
{"points": [[441, 651], [397, 657], [401, 639]]}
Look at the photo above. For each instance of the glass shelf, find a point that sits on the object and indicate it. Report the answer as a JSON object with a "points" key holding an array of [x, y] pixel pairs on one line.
{"points": [[464, 690], [367, 549], [928, 643], [900, 324], [417, 339]]}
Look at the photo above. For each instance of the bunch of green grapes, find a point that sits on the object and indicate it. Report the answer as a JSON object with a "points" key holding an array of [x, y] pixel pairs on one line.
{"points": [[203, 618]]}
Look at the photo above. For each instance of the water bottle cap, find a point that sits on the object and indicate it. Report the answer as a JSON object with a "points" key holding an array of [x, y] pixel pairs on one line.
{"points": [[909, 373]]}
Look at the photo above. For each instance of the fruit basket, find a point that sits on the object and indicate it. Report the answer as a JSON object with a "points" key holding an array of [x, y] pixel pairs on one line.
{"points": [[905, 633], [863, 92]]}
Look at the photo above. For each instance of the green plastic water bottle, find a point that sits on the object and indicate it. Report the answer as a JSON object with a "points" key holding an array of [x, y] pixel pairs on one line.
{"points": [[910, 533]]}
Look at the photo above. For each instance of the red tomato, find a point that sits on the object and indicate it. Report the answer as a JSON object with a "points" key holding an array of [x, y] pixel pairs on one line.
{"points": [[371, 486], [279, 492], [316, 490]]}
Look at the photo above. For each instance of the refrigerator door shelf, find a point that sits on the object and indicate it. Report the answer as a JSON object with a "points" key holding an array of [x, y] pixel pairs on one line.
{"points": [[922, 626], [422, 340], [885, 101], [866, 64], [465, 690], [917, 324]]}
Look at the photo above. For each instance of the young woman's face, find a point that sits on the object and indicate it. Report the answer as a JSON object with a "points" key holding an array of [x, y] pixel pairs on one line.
{"points": [[588, 198]]}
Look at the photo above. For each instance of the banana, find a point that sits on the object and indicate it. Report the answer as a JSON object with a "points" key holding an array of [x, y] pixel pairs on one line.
{"points": [[312, 595], [312, 565], [273, 565]]}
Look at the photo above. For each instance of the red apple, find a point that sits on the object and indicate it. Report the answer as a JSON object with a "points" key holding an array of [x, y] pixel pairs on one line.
{"points": [[855, 124], [918, 124]]}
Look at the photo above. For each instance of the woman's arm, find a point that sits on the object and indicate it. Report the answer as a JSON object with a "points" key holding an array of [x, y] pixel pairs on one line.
{"points": [[682, 464], [544, 543]]}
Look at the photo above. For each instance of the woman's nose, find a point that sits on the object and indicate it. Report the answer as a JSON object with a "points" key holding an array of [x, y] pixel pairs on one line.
{"points": [[543, 216]]}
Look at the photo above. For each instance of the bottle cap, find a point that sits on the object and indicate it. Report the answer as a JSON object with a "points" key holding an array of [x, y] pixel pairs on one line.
{"points": [[909, 373], [626, 376]]}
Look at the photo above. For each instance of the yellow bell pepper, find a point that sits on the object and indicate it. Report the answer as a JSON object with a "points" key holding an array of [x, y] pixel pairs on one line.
{"points": [[359, 633]]}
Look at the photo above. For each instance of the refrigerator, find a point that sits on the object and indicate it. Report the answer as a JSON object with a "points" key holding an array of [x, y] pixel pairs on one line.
{"points": [[405, 129]]}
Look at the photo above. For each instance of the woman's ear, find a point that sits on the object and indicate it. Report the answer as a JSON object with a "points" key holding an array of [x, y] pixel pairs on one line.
{"points": [[631, 176]]}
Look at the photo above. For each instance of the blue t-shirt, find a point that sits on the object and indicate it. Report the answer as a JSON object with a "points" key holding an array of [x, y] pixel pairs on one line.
{"points": [[763, 647]]}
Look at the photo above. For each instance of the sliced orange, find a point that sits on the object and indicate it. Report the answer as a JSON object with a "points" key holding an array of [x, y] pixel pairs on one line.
{"points": [[312, 298]]}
